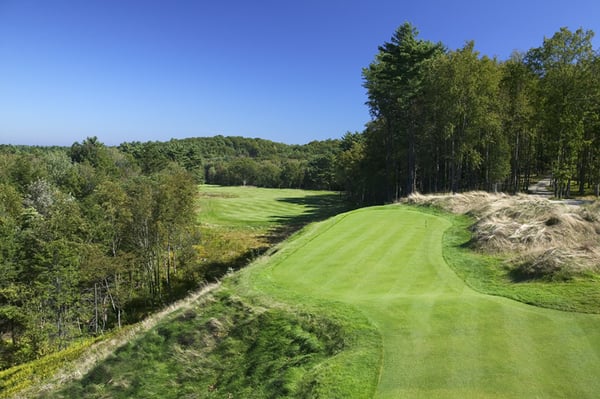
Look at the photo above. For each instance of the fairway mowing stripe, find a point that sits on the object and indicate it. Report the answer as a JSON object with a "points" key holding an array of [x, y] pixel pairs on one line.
{"points": [[330, 255], [373, 261], [527, 364], [324, 260], [498, 351], [408, 350], [395, 237], [577, 363], [466, 348], [589, 331], [439, 337], [398, 284], [302, 241], [333, 245]]}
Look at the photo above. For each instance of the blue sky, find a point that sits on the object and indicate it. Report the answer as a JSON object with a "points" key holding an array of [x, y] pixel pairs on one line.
{"points": [[127, 70]]}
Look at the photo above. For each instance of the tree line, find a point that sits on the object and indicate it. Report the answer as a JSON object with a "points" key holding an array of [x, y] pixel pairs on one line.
{"points": [[87, 243], [454, 120], [233, 161]]}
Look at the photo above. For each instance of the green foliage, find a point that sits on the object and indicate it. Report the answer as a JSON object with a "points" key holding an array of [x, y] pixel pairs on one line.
{"points": [[84, 243], [233, 161], [567, 95], [457, 121], [394, 83]]}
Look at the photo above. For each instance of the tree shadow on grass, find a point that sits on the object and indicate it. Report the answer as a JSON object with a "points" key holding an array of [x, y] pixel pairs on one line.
{"points": [[317, 207], [214, 271]]}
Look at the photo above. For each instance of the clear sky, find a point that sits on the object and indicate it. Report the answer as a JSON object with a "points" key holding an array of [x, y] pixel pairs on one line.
{"points": [[288, 71]]}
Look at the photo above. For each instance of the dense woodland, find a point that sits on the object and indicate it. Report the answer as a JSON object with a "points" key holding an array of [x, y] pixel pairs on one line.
{"points": [[240, 161], [454, 120], [94, 237]]}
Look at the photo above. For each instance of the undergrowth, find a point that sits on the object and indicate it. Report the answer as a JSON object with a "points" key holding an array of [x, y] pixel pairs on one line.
{"points": [[226, 348], [24, 376]]}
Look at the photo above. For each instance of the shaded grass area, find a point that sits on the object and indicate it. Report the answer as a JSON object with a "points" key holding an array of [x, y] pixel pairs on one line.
{"points": [[238, 224]]}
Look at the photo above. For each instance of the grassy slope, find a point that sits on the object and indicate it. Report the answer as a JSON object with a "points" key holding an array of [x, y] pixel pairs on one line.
{"points": [[239, 223], [491, 275], [409, 326], [262, 208], [440, 338]]}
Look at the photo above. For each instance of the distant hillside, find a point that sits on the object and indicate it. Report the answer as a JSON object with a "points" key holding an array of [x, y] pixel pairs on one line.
{"points": [[244, 161], [228, 161]]}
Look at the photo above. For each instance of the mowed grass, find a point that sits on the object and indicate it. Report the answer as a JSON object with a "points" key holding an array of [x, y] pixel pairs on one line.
{"points": [[439, 338], [239, 223], [264, 208]]}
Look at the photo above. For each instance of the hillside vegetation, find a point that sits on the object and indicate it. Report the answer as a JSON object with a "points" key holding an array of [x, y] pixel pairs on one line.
{"points": [[541, 252], [93, 238], [542, 238], [230, 236]]}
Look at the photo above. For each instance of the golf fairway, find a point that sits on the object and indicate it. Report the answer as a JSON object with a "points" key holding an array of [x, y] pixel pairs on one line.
{"points": [[440, 338]]}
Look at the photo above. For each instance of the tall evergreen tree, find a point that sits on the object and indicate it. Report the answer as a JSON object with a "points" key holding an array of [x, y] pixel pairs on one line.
{"points": [[394, 86]]}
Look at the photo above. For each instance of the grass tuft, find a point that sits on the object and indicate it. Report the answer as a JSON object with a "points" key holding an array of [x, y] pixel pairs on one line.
{"points": [[225, 346], [543, 239]]}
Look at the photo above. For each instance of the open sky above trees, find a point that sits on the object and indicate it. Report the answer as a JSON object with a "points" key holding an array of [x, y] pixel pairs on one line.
{"points": [[289, 72]]}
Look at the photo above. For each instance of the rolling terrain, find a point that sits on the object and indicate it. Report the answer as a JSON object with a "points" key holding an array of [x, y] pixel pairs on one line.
{"points": [[364, 304], [440, 338]]}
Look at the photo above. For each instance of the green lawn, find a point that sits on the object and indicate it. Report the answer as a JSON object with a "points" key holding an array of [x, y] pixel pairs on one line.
{"points": [[264, 208], [238, 224], [439, 337], [360, 305]]}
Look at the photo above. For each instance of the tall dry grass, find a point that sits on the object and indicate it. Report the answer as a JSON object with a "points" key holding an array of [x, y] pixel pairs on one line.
{"points": [[543, 238]]}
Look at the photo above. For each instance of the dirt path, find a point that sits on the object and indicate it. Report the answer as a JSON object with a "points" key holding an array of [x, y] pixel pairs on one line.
{"points": [[542, 187]]}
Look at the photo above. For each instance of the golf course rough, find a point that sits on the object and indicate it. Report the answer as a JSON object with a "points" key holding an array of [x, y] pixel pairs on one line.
{"points": [[440, 339]]}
